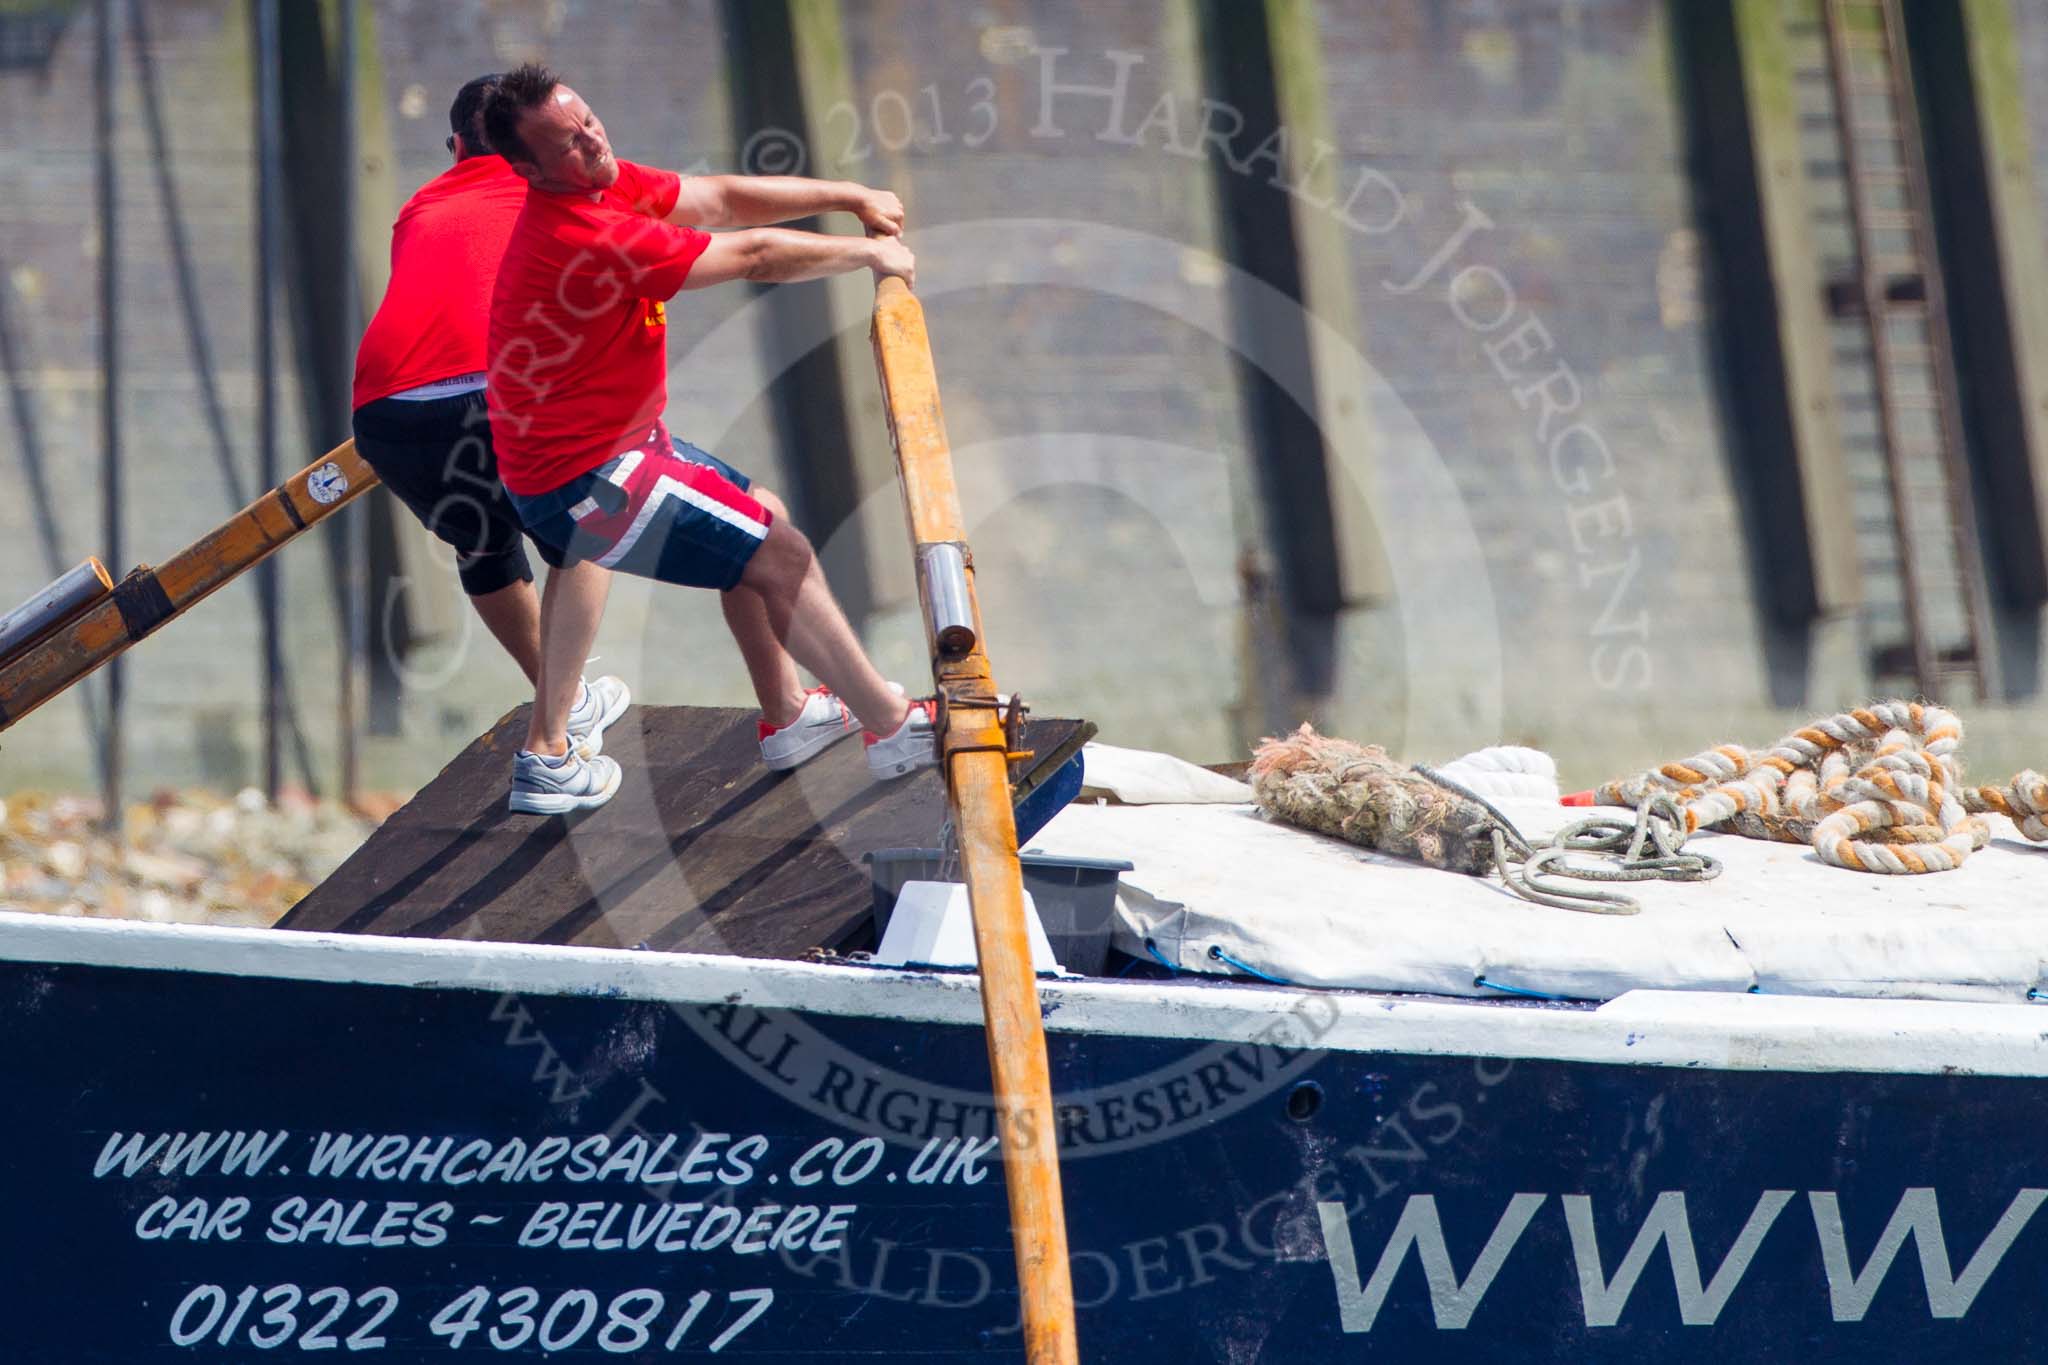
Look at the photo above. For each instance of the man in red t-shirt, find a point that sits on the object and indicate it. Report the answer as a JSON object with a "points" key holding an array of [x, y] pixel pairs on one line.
{"points": [[419, 404], [578, 382]]}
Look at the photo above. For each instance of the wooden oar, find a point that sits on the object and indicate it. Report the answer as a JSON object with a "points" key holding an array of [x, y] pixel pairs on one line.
{"points": [[974, 748], [147, 598]]}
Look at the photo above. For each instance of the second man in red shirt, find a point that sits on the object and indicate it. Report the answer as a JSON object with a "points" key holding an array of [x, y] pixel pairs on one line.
{"points": [[578, 381]]}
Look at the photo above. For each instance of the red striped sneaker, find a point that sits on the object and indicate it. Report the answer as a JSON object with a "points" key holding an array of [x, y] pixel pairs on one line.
{"points": [[823, 722], [914, 744]]}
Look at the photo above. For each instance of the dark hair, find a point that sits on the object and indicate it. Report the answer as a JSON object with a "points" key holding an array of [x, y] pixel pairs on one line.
{"points": [[466, 115], [516, 91]]}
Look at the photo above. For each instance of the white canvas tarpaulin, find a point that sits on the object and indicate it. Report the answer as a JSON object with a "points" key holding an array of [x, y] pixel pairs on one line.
{"points": [[1316, 911], [1142, 777]]}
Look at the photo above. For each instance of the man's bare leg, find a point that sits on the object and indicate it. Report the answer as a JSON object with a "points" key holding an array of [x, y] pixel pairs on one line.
{"points": [[571, 607], [769, 667], [512, 615], [802, 616]]}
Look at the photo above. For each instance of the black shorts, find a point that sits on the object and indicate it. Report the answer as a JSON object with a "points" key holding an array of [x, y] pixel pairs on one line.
{"points": [[435, 456]]}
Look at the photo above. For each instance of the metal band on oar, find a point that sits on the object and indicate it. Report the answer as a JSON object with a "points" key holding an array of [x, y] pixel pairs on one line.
{"points": [[63, 601]]}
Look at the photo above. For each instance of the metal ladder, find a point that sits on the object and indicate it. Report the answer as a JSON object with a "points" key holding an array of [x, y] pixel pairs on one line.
{"points": [[1927, 610]]}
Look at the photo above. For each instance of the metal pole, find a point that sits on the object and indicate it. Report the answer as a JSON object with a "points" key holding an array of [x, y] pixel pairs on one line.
{"points": [[110, 382], [269, 105], [974, 749], [49, 610], [354, 533]]}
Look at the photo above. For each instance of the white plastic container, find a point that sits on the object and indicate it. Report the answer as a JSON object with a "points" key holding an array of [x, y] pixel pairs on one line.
{"points": [[932, 926]]}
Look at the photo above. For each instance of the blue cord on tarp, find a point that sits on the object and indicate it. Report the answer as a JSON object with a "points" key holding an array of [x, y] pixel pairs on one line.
{"points": [[2036, 993], [1216, 954], [1516, 990]]}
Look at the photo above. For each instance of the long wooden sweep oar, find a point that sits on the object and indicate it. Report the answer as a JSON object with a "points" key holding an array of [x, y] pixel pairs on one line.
{"points": [[974, 747], [146, 598]]}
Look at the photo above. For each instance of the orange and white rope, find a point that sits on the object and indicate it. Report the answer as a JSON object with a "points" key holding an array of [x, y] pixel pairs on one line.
{"points": [[1875, 789]]}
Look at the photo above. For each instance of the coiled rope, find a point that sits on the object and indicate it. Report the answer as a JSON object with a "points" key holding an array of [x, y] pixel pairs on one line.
{"points": [[1874, 789], [1534, 873]]}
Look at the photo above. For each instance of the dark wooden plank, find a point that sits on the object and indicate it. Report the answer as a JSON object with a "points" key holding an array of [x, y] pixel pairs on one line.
{"points": [[1968, 59], [702, 850], [1736, 62]]}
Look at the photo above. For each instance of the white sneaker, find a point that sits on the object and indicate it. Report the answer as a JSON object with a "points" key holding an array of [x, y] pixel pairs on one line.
{"points": [[914, 744], [579, 780], [823, 722], [599, 704]]}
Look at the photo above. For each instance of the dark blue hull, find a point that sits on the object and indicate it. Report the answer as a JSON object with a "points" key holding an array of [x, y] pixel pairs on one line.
{"points": [[1225, 1204]]}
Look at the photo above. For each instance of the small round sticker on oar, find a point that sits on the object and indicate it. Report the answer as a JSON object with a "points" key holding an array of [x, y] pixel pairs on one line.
{"points": [[327, 483]]}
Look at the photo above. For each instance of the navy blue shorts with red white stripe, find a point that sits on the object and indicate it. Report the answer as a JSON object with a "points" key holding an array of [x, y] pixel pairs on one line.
{"points": [[663, 510]]}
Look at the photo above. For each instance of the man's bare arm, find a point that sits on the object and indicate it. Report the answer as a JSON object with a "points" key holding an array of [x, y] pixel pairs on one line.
{"points": [[785, 256], [740, 201]]}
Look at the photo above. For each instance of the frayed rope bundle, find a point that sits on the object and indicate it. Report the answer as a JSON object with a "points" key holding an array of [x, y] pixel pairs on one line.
{"points": [[1357, 793], [1875, 789]]}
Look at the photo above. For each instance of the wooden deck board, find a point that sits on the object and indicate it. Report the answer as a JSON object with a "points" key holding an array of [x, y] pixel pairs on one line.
{"points": [[702, 850]]}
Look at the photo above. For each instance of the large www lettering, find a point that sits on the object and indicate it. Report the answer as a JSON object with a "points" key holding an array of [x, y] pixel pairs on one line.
{"points": [[1603, 1299]]}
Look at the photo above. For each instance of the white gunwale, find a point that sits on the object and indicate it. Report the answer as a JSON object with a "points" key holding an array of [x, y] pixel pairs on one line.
{"points": [[1710, 1030]]}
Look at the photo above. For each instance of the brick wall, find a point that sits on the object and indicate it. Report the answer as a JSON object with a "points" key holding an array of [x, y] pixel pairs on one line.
{"points": [[1099, 437], [1619, 592]]}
